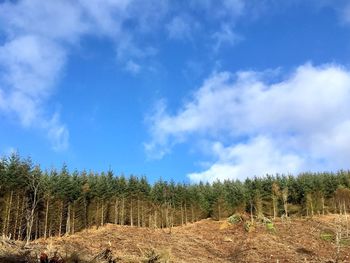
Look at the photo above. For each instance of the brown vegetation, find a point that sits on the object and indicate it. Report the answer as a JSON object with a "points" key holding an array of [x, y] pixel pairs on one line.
{"points": [[298, 240]]}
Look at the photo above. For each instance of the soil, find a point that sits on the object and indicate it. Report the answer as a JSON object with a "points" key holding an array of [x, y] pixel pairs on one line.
{"points": [[295, 240]]}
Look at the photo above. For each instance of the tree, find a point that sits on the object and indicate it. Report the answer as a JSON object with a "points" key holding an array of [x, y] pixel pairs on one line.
{"points": [[342, 198], [34, 184], [37, 204], [276, 193]]}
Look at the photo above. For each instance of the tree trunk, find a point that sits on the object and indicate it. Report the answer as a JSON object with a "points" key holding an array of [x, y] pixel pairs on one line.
{"points": [[86, 214], [123, 212], [274, 204], [7, 215], [61, 219], [36, 226], [17, 215], [166, 216], [30, 219], [323, 206], [131, 214], [182, 216], [192, 212], [116, 211], [172, 216], [19, 234], [46, 217], [155, 218], [138, 213], [73, 219], [143, 220], [149, 220], [102, 213], [285, 201], [251, 212], [50, 229], [68, 228]]}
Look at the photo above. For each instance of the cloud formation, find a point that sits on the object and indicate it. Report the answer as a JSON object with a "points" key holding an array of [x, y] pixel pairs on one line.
{"points": [[256, 125], [226, 35], [181, 27], [32, 56], [37, 39], [39, 36], [30, 67]]}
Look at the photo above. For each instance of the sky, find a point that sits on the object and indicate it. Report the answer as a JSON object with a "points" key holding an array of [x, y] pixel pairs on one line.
{"points": [[195, 90]]}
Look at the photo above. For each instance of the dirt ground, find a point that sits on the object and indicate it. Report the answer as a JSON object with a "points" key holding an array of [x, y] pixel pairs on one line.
{"points": [[299, 240]]}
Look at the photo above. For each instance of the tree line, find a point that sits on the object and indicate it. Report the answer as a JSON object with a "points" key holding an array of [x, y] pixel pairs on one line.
{"points": [[37, 203]]}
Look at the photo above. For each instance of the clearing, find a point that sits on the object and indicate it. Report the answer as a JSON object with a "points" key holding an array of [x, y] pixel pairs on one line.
{"points": [[299, 240]]}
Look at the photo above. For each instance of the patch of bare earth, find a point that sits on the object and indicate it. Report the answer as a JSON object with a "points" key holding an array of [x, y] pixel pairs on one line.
{"points": [[207, 241]]}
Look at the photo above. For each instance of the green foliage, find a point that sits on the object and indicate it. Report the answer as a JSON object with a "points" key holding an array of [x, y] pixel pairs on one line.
{"points": [[270, 227], [327, 236], [71, 201], [345, 242], [234, 219]]}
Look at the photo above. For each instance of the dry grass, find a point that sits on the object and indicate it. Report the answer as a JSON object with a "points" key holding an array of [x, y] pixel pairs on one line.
{"points": [[205, 241]]}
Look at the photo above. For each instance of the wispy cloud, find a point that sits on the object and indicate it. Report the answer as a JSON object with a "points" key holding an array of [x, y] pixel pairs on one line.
{"points": [[298, 123], [344, 13], [30, 68], [132, 67], [226, 9], [225, 36], [182, 27], [38, 37], [32, 58]]}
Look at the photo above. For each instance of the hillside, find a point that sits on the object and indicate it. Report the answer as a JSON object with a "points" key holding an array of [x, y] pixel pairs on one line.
{"points": [[301, 240]]}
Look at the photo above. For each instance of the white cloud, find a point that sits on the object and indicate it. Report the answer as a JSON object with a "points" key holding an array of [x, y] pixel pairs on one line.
{"points": [[58, 133], [224, 14], [30, 66], [258, 157], [32, 57], [298, 123], [181, 27], [127, 50], [225, 36], [230, 9], [38, 37], [57, 20], [132, 67], [233, 7], [345, 13]]}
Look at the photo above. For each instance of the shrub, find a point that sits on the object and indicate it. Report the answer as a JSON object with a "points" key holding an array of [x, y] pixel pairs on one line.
{"points": [[234, 219], [327, 236], [270, 227]]}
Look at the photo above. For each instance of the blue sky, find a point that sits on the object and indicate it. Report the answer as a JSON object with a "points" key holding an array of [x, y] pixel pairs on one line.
{"points": [[183, 90]]}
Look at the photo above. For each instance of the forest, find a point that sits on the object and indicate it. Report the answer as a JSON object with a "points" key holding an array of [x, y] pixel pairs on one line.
{"points": [[36, 203]]}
